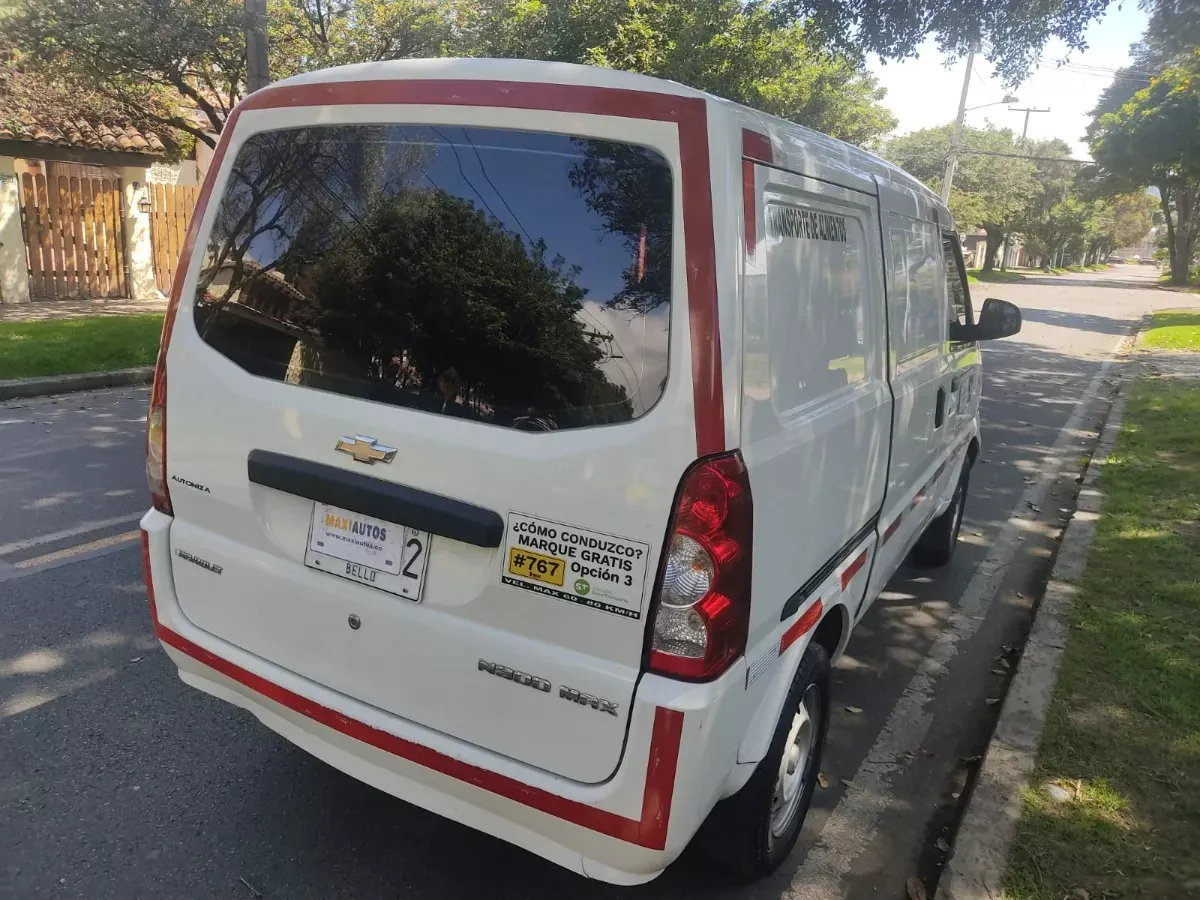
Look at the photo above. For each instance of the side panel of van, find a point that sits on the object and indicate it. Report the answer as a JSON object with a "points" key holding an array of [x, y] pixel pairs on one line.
{"points": [[815, 416], [925, 423]]}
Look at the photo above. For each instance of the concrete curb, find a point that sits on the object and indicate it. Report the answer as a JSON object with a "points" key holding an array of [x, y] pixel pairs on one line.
{"points": [[976, 868], [83, 381]]}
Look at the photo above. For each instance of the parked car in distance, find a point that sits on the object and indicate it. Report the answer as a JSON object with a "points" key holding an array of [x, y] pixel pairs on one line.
{"points": [[1115, 260], [527, 439]]}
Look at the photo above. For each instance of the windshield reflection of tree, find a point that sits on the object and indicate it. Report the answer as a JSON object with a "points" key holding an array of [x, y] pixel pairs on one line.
{"points": [[268, 202], [410, 295], [630, 188]]}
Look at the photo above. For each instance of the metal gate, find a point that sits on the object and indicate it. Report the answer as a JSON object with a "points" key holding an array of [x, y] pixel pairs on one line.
{"points": [[74, 237], [171, 208]]}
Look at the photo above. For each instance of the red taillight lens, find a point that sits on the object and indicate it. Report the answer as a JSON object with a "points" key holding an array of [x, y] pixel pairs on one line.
{"points": [[156, 415], [702, 608]]}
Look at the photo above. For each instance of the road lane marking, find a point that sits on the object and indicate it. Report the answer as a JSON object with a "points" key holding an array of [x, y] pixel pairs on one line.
{"points": [[81, 528], [77, 550], [854, 822]]}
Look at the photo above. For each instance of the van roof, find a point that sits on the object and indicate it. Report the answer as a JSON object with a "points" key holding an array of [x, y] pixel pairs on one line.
{"points": [[788, 133]]}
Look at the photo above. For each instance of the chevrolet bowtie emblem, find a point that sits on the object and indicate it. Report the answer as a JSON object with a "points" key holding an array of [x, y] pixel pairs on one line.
{"points": [[365, 449]]}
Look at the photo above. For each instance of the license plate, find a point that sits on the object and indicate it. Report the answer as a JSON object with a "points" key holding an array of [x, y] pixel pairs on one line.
{"points": [[373, 552]]}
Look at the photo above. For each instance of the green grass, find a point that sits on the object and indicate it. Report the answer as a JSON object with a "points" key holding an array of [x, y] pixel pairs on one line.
{"points": [[975, 276], [1193, 286], [87, 344], [1173, 329], [1123, 731]]}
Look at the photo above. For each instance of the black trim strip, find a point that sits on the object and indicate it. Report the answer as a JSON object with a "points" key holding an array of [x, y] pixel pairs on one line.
{"points": [[397, 503], [797, 599]]}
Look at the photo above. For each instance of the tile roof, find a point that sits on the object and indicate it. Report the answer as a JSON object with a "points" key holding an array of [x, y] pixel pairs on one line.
{"points": [[79, 134]]}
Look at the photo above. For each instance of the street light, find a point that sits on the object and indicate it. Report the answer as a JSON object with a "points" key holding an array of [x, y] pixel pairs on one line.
{"points": [[1008, 98]]}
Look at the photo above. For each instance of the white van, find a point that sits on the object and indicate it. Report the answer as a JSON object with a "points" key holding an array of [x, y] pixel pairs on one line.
{"points": [[527, 438]]}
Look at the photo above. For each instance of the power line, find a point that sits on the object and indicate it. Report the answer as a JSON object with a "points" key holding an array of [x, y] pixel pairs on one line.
{"points": [[494, 188], [462, 172], [1061, 159]]}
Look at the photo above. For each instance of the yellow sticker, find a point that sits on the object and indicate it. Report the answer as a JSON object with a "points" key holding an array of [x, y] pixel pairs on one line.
{"points": [[526, 564]]}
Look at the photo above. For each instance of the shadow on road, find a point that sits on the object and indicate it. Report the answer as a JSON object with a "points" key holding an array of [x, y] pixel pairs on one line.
{"points": [[1077, 321]]}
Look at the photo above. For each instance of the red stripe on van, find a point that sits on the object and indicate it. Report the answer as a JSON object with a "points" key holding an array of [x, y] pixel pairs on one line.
{"points": [[807, 621], [749, 206], [665, 737], [689, 114], [852, 569], [891, 529], [757, 146]]}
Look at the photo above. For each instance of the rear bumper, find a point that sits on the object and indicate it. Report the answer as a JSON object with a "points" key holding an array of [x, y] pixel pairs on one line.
{"points": [[680, 748]]}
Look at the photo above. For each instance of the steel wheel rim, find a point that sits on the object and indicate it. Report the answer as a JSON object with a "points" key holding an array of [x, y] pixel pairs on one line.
{"points": [[801, 745]]}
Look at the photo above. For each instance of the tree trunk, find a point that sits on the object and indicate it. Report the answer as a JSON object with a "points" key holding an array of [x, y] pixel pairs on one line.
{"points": [[1164, 201], [1185, 234], [991, 246]]}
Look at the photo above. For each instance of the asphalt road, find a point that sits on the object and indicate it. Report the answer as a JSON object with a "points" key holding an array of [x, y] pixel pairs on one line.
{"points": [[117, 781]]}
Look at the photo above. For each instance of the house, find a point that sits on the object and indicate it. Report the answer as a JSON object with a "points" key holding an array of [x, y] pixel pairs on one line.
{"points": [[974, 246], [90, 205]]}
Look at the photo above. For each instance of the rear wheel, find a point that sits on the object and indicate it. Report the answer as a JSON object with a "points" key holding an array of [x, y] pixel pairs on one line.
{"points": [[754, 830], [936, 546]]}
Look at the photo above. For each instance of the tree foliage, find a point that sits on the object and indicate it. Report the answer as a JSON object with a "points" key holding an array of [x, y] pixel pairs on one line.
{"points": [[1010, 33], [155, 59], [745, 52], [989, 191], [1153, 139]]}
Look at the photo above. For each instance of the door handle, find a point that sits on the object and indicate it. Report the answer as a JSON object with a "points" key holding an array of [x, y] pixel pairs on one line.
{"points": [[939, 413]]}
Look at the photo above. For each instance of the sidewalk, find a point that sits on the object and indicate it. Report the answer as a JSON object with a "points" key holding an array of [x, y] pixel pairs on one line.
{"points": [[44, 310], [1091, 784]]}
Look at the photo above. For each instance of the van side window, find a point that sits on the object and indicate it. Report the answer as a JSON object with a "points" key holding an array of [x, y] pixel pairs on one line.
{"points": [[956, 285], [916, 290], [816, 333]]}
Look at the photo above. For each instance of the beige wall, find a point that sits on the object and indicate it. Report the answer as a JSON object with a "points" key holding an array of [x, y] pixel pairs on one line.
{"points": [[14, 271], [139, 255]]}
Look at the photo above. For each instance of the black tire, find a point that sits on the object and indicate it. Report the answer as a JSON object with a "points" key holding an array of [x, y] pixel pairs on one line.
{"points": [[936, 546], [739, 832]]}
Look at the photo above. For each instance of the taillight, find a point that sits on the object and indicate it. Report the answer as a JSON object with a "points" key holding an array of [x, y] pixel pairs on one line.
{"points": [[702, 608], [156, 416]]}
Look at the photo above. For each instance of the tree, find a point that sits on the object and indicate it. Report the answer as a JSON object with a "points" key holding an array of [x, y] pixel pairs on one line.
{"points": [[1174, 28], [1153, 139], [741, 51], [1133, 217], [989, 191], [163, 59], [181, 63], [1011, 33], [315, 34]]}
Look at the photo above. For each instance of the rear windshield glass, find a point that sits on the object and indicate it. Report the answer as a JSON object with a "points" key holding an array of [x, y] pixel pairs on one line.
{"points": [[517, 278]]}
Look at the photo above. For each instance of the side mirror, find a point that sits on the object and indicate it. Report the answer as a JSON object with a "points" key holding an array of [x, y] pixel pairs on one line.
{"points": [[997, 319]]}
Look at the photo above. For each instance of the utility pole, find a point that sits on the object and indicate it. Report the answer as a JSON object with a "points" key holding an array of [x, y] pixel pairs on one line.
{"points": [[952, 160], [1027, 110], [1024, 133], [257, 73]]}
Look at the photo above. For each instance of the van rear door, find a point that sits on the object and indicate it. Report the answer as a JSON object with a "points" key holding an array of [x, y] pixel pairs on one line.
{"points": [[428, 404]]}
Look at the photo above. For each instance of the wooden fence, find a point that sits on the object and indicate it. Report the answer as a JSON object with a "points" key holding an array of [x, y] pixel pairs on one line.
{"points": [[74, 239], [171, 210]]}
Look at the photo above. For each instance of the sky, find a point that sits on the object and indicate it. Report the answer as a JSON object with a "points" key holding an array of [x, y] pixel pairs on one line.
{"points": [[922, 92]]}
